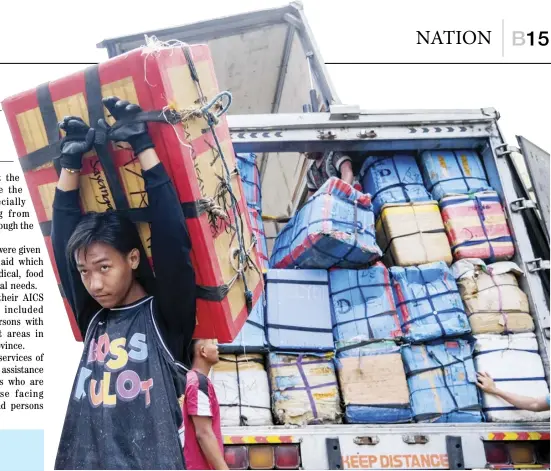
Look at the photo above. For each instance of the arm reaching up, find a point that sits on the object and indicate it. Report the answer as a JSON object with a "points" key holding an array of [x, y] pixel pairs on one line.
{"points": [[78, 140], [170, 241]]}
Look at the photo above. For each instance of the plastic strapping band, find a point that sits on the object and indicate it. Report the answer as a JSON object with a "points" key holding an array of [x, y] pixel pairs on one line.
{"points": [[359, 286], [301, 329], [308, 362], [357, 345], [426, 298], [454, 201], [477, 354], [381, 406], [500, 301], [432, 231], [49, 118], [395, 185], [50, 152], [441, 311], [364, 302], [424, 370], [242, 420], [482, 218], [452, 179], [431, 304], [95, 113], [307, 387], [488, 409], [297, 282], [380, 314], [534, 378], [469, 243], [444, 377], [255, 324], [190, 210]]}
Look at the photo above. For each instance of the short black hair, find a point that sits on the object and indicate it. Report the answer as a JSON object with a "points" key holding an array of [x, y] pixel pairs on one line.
{"points": [[107, 228], [117, 231], [191, 351]]}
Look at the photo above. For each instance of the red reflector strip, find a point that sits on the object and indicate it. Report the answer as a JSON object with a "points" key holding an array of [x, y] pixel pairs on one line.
{"points": [[517, 466], [511, 436], [260, 439]]}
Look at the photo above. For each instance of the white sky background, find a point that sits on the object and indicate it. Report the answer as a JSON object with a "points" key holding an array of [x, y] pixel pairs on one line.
{"points": [[345, 31]]}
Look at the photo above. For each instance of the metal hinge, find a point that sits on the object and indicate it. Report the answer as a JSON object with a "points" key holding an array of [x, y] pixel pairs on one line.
{"points": [[367, 440], [522, 204], [537, 265], [365, 134], [327, 135], [506, 149], [415, 439]]}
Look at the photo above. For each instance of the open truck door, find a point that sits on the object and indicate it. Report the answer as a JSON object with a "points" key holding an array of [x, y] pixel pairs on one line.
{"points": [[537, 163]]}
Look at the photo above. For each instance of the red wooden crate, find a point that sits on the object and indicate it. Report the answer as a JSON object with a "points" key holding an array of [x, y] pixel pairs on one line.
{"points": [[155, 79]]}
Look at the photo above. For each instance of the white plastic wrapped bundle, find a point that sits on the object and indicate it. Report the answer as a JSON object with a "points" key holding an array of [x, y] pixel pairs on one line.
{"points": [[242, 389], [513, 361]]}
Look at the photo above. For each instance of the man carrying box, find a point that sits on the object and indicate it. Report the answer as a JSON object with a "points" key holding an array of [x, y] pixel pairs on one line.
{"points": [[124, 411]]}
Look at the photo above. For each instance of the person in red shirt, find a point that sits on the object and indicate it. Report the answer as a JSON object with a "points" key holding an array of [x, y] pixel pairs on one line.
{"points": [[201, 430]]}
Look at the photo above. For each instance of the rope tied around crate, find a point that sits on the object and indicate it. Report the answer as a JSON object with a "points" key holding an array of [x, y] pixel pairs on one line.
{"points": [[216, 206], [212, 111]]}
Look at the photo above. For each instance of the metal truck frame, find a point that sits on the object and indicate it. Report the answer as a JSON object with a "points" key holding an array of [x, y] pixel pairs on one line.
{"points": [[269, 122], [461, 446]]}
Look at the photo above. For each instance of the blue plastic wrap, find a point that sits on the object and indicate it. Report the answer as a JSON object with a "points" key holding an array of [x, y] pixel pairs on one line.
{"points": [[453, 172], [373, 382], [251, 337], [442, 382], [428, 302], [395, 179], [362, 303], [298, 316], [250, 176], [334, 228]]}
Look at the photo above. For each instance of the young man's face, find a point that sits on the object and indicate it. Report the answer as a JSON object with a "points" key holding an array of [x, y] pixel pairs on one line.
{"points": [[106, 273], [209, 351]]}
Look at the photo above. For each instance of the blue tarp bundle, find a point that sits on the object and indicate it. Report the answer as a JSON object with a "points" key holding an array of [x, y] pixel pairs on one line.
{"points": [[298, 316], [373, 382], [442, 382], [250, 176], [251, 337], [334, 228], [453, 172], [428, 302], [362, 304], [395, 179]]}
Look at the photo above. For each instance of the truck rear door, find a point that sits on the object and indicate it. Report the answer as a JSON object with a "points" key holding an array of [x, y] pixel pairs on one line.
{"points": [[537, 163]]}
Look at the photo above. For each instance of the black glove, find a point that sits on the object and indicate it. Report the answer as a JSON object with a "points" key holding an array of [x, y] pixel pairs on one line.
{"points": [[79, 138], [135, 133]]}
